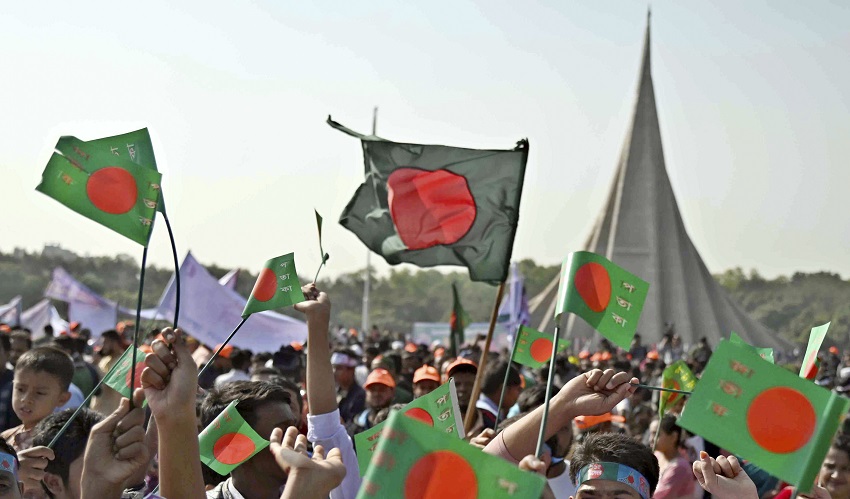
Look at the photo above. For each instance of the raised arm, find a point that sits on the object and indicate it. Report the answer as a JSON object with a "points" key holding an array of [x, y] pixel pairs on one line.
{"points": [[170, 381], [323, 423]]}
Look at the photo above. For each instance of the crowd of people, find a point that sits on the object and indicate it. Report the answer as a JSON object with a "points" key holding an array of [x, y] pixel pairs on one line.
{"points": [[310, 400]]}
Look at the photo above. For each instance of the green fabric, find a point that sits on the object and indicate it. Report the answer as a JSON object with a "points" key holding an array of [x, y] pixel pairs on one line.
{"points": [[277, 286], [119, 380], [229, 441], [493, 177], [677, 376], [764, 414], [622, 295], [413, 460], [815, 341], [764, 353], [531, 342], [441, 407], [458, 321], [72, 175]]}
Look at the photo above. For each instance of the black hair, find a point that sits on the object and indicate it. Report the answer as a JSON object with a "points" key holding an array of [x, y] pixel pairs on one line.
{"points": [[51, 361], [5, 342], [268, 371], [250, 394], [668, 425], [241, 359], [72, 444], [287, 384], [18, 334], [616, 448], [534, 396], [494, 376]]}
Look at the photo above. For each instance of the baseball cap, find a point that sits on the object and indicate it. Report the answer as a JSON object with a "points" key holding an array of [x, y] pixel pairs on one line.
{"points": [[426, 373], [460, 361], [585, 422], [379, 377], [226, 352]]}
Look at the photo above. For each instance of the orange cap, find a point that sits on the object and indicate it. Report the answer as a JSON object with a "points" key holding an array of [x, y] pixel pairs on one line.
{"points": [[596, 357], [426, 372], [460, 361], [74, 326], [379, 377], [297, 346], [583, 354], [605, 356], [833, 350], [653, 355], [226, 352], [585, 422]]}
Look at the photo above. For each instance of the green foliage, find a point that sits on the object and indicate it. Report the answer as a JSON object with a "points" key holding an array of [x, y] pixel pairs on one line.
{"points": [[790, 306]]}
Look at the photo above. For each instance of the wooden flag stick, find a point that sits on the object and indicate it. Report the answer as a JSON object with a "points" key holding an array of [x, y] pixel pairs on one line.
{"points": [[545, 420], [482, 365]]}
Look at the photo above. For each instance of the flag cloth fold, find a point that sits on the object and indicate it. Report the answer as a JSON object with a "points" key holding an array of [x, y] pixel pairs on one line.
{"points": [[764, 353], [439, 409], [415, 460], [764, 413], [458, 321], [437, 205], [277, 286], [111, 190], [816, 337], [229, 441], [677, 376], [119, 379], [606, 296], [533, 348]]}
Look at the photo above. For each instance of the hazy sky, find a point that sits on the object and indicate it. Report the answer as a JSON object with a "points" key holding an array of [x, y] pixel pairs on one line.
{"points": [[753, 98]]}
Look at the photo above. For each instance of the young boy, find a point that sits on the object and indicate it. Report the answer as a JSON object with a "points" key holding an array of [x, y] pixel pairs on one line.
{"points": [[42, 377]]}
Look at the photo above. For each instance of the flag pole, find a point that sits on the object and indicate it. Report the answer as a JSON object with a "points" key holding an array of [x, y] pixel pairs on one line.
{"points": [[505, 382], [136, 330], [209, 362], [176, 270], [540, 438], [482, 365], [367, 277]]}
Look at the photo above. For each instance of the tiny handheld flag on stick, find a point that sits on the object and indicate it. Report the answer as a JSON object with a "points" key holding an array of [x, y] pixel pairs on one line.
{"points": [[606, 296], [322, 253], [676, 379], [229, 441]]}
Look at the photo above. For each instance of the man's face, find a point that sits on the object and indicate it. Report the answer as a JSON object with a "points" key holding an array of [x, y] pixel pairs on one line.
{"points": [[35, 395], [343, 375], [606, 489], [464, 382], [9, 486], [268, 417], [409, 364], [19, 346], [424, 387], [379, 396], [511, 396]]}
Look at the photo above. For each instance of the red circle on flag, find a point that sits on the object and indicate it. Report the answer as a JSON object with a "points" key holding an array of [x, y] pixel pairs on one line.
{"points": [[429, 208], [266, 286], [781, 420], [671, 397], [441, 474], [140, 366], [233, 448], [593, 285], [420, 415], [112, 189], [541, 349]]}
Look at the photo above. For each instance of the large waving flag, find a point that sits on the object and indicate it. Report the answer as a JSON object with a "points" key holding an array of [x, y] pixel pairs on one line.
{"points": [[436, 205], [105, 186], [513, 312], [608, 297], [764, 414]]}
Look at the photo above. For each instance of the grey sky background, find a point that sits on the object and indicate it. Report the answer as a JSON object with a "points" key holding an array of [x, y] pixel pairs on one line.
{"points": [[753, 99]]}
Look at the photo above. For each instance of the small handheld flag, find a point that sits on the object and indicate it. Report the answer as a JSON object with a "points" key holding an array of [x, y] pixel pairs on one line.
{"points": [[676, 376], [533, 348], [815, 341], [277, 286], [439, 409], [607, 297], [414, 460], [119, 379], [764, 414], [229, 441]]}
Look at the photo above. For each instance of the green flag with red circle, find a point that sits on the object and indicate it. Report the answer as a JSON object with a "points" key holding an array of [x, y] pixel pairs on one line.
{"points": [[229, 441], [533, 348], [677, 376], [437, 205], [606, 296], [764, 413], [416, 461], [808, 369], [438, 409], [277, 286], [119, 378], [109, 189]]}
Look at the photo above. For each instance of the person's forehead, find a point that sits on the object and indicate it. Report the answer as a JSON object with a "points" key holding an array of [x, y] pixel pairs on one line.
{"points": [[606, 488], [32, 376]]}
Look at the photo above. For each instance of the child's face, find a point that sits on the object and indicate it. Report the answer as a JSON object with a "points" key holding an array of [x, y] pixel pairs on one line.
{"points": [[36, 394]]}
